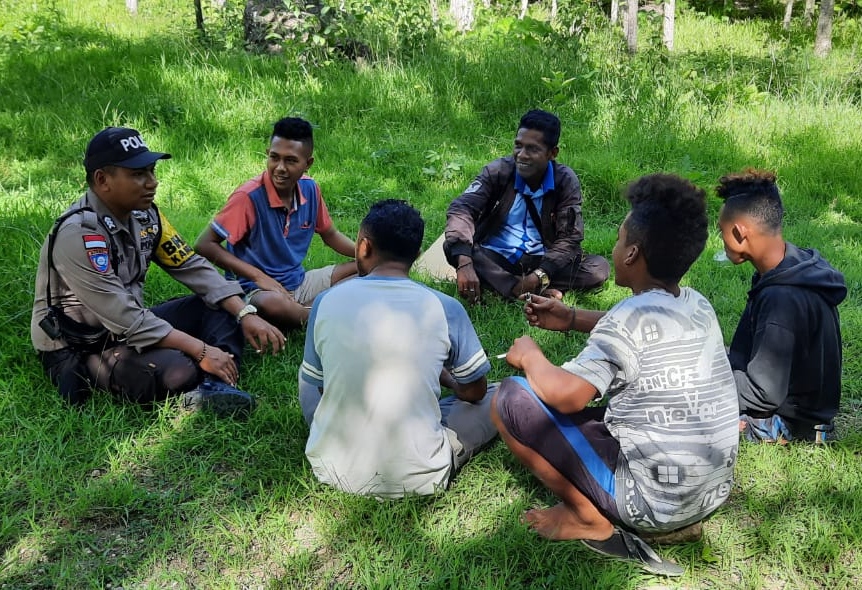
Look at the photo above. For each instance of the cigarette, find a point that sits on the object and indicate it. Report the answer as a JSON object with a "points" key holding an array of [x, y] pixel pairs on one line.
{"points": [[501, 356]]}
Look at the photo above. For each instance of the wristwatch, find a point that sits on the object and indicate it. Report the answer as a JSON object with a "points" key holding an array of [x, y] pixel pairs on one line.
{"points": [[544, 279], [249, 308]]}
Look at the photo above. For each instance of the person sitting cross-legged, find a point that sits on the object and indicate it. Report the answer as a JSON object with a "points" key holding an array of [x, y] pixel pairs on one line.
{"points": [[89, 322], [377, 351], [518, 227], [786, 351], [268, 224], [659, 455]]}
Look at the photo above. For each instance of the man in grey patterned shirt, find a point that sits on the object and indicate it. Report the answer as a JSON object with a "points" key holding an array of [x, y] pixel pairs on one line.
{"points": [[659, 455]]}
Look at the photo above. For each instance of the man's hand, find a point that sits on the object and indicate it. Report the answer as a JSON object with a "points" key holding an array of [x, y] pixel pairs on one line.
{"points": [[261, 334], [468, 280], [220, 364], [267, 283], [530, 283], [520, 349], [548, 313]]}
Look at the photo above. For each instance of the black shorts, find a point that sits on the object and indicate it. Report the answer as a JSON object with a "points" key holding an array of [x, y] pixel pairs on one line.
{"points": [[578, 445]]}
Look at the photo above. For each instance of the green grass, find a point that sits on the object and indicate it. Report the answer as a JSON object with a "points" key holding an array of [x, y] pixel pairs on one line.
{"points": [[110, 495]]}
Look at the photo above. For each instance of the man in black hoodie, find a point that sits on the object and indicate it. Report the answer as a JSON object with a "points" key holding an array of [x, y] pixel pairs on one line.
{"points": [[786, 352]]}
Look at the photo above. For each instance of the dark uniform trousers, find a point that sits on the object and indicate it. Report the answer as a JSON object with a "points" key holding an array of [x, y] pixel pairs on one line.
{"points": [[154, 373], [499, 274]]}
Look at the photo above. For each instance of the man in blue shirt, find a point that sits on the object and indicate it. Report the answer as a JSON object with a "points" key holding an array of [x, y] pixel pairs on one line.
{"points": [[518, 227]]}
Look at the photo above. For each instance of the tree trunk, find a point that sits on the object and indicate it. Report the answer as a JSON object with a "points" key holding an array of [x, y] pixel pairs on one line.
{"points": [[669, 11], [788, 13], [523, 12], [809, 12], [435, 11], [823, 40], [132, 6], [218, 3], [631, 26], [615, 11], [462, 12], [199, 16], [554, 10]]}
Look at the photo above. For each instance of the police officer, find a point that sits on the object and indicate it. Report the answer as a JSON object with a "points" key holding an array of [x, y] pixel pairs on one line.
{"points": [[90, 282]]}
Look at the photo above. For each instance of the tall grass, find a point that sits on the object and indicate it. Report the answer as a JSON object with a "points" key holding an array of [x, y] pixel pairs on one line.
{"points": [[113, 495]]}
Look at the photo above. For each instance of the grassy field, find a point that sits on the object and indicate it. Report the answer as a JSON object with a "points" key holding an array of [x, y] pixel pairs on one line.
{"points": [[110, 496]]}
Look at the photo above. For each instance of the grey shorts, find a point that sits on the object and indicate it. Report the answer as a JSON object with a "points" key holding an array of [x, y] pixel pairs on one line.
{"points": [[316, 281]]}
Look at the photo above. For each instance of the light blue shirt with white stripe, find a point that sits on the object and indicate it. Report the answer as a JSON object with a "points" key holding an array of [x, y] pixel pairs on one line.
{"points": [[377, 346]]}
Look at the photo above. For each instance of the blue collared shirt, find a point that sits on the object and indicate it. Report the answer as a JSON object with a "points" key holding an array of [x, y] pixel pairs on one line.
{"points": [[519, 234]]}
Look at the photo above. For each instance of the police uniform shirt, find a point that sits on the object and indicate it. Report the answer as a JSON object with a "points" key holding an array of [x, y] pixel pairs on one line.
{"points": [[101, 264]]}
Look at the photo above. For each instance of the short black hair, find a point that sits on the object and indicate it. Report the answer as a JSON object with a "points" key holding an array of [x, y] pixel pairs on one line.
{"points": [[110, 169], [547, 123], [294, 129], [752, 192], [396, 229], [668, 221]]}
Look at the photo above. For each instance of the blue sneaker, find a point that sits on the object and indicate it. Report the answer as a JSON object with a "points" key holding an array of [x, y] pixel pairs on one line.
{"points": [[225, 401]]}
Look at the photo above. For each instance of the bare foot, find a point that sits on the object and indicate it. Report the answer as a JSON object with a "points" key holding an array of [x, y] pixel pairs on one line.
{"points": [[561, 523]]}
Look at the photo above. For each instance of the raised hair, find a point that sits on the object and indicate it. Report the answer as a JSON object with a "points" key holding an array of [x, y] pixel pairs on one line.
{"points": [[754, 193], [396, 229], [294, 129], [547, 123], [668, 221]]}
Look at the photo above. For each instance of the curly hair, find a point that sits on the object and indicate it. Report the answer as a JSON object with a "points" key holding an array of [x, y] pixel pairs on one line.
{"points": [[754, 193], [668, 221], [294, 129], [395, 228]]}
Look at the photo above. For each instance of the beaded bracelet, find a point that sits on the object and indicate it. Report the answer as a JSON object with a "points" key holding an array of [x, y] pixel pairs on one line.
{"points": [[463, 265], [203, 354]]}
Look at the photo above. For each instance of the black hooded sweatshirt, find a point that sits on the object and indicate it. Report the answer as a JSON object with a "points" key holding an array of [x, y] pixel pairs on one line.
{"points": [[786, 352]]}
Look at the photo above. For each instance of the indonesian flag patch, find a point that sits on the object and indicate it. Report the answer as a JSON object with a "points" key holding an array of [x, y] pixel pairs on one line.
{"points": [[97, 252]]}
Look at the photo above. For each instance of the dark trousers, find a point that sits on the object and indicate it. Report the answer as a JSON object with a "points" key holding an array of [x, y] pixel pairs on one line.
{"points": [[154, 373], [500, 275]]}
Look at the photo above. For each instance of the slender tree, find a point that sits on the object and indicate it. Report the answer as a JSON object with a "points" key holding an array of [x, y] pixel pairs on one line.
{"points": [[199, 16], [668, 17], [809, 12], [615, 11], [523, 11], [435, 11], [788, 14], [132, 6], [462, 12], [631, 25], [823, 39]]}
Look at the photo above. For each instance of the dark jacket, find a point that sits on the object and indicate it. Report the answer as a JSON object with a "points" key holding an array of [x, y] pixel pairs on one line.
{"points": [[482, 209], [786, 352]]}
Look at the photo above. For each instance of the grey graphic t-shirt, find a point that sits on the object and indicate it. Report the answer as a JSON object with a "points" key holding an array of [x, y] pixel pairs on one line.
{"points": [[672, 406]]}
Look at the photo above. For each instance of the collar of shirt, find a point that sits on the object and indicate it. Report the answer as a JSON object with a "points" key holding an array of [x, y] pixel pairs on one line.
{"points": [[275, 200], [547, 183], [104, 214]]}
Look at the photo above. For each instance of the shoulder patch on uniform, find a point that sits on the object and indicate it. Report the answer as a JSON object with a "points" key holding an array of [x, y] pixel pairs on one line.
{"points": [[97, 252], [172, 251], [474, 187]]}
